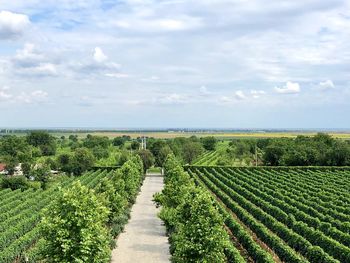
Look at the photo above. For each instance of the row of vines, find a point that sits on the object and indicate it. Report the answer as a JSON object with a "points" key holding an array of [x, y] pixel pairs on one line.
{"points": [[21, 212], [283, 215]]}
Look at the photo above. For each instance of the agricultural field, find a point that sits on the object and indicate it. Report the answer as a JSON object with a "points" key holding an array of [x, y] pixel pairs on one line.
{"points": [[20, 215], [283, 214]]}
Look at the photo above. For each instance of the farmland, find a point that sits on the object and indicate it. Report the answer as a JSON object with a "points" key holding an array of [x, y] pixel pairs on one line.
{"points": [[283, 214], [20, 215]]}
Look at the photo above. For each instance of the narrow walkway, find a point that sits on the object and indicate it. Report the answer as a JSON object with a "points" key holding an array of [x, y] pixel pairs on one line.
{"points": [[144, 239]]}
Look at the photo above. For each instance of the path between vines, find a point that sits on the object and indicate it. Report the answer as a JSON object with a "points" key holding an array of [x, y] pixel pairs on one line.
{"points": [[144, 239]]}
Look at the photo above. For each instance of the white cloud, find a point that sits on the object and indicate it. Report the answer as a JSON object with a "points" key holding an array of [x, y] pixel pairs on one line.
{"points": [[239, 95], [257, 93], [203, 90], [117, 75], [289, 88], [4, 94], [225, 99], [98, 65], [32, 62], [326, 85], [171, 99], [12, 25], [99, 56], [36, 96]]}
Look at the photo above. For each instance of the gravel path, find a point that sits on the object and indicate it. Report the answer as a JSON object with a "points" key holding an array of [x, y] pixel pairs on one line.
{"points": [[143, 239]]}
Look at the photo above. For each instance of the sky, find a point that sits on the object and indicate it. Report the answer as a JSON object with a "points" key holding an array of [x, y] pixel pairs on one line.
{"points": [[175, 63]]}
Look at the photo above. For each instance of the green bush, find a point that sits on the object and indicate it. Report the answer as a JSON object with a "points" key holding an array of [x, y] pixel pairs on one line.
{"points": [[74, 227]]}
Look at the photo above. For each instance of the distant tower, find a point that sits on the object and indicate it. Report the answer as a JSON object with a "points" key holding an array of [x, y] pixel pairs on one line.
{"points": [[143, 143]]}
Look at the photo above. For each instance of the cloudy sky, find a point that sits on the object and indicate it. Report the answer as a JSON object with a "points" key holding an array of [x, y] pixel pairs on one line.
{"points": [[175, 63]]}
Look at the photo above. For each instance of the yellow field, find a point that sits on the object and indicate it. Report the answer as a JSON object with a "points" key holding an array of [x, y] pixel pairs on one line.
{"points": [[219, 135]]}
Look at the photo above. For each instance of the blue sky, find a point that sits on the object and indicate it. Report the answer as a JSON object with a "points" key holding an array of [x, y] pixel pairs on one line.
{"points": [[175, 63]]}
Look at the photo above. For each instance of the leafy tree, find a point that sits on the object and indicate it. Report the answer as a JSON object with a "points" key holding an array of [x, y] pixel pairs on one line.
{"points": [[96, 141], [273, 154], [64, 162], [119, 141], [11, 163], [162, 155], [73, 138], [74, 227], [209, 143], [15, 182], [26, 169], [44, 141], [147, 158], [82, 161], [200, 236], [123, 157], [16, 148], [191, 150], [42, 174], [100, 152], [135, 145]]}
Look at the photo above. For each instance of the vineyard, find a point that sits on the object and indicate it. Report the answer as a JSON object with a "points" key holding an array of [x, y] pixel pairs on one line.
{"points": [[283, 215], [20, 215]]}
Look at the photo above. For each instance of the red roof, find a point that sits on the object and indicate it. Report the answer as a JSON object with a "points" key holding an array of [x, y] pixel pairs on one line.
{"points": [[2, 167]]}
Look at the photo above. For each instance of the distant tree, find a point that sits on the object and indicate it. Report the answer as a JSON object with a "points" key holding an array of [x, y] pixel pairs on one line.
{"points": [[123, 157], [119, 141], [82, 161], [15, 147], [100, 152], [41, 174], [147, 158], [191, 150], [96, 141], [209, 143], [162, 155], [15, 182], [73, 138], [64, 162], [73, 227], [273, 154], [44, 141], [26, 169], [135, 145], [11, 163]]}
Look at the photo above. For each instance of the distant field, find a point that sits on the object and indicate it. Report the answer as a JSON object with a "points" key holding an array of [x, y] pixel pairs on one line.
{"points": [[219, 135]]}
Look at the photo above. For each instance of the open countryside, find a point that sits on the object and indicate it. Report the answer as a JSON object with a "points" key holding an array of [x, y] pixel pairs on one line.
{"points": [[174, 131]]}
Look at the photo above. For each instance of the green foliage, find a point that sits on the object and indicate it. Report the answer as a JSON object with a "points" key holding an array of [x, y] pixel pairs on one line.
{"points": [[15, 182], [321, 150], [41, 174], [147, 158], [195, 226], [135, 145], [77, 163], [120, 141], [209, 143], [74, 227], [200, 236], [96, 141], [44, 141], [100, 152], [191, 150]]}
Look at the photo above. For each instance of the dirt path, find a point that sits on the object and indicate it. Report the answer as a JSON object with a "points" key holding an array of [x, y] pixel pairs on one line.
{"points": [[143, 239]]}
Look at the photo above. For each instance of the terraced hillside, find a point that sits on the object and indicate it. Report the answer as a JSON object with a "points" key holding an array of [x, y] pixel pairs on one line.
{"points": [[283, 214]]}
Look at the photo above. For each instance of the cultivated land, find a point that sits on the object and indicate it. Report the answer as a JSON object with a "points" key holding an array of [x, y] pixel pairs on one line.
{"points": [[168, 134], [21, 213], [144, 239], [288, 214]]}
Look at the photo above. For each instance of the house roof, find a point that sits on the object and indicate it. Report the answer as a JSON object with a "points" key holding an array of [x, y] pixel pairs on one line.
{"points": [[2, 167]]}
